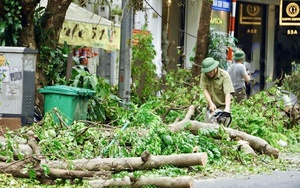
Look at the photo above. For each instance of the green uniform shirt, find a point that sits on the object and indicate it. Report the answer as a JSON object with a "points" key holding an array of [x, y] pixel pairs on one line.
{"points": [[218, 86]]}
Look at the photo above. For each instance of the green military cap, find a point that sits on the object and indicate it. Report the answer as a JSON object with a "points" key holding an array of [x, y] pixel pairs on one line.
{"points": [[209, 64], [239, 55]]}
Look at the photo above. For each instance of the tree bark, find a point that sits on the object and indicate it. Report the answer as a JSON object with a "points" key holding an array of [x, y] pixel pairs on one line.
{"points": [[47, 171], [258, 144], [161, 182], [72, 174], [54, 17], [27, 36], [245, 147], [202, 37], [2, 7], [131, 163], [55, 13], [20, 169]]}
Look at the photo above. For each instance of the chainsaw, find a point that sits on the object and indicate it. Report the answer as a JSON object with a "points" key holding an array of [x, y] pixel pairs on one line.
{"points": [[221, 117]]}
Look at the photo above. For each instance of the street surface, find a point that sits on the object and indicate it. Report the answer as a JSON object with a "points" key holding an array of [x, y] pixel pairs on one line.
{"points": [[288, 179]]}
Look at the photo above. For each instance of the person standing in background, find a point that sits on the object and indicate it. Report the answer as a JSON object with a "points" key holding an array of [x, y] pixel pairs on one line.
{"points": [[84, 63], [239, 75], [83, 54]]}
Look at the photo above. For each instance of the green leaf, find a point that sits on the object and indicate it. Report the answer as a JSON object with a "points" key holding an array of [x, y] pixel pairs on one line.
{"points": [[46, 169]]}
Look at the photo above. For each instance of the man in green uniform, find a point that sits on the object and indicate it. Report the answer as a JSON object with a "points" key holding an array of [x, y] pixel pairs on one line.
{"points": [[217, 86]]}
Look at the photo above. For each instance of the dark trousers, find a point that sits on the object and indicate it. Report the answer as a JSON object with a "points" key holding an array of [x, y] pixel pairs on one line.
{"points": [[248, 89], [240, 94]]}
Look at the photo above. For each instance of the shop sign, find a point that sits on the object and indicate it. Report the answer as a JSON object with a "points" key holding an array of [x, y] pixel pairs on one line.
{"points": [[250, 14], [251, 30], [289, 14], [292, 32], [92, 35], [222, 5]]}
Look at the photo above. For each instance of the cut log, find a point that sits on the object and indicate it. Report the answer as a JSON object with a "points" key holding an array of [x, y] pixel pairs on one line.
{"points": [[92, 168], [72, 174], [131, 163], [161, 182], [245, 147], [258, 144], [19, 169]]}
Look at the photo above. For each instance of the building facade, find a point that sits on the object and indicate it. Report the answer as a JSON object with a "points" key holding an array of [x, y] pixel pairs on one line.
{"points": [[270, 46], [271, 43]]}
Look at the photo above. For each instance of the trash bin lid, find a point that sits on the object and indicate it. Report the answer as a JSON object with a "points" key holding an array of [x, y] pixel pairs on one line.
{"points": [[66, 90]]}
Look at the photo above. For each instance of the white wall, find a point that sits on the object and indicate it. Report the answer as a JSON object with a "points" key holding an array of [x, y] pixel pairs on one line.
{"points": [[193, 10], [269, 72], [154, 26]]}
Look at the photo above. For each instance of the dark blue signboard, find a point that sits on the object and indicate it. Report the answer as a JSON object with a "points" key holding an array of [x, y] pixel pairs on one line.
{"points": [[223, 5]]}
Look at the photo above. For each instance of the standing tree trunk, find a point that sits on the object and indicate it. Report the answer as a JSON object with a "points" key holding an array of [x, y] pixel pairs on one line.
{"points": [[54, 17], [52, 23], [27, 35], [27, 38], [55, 13], [202, 36]]}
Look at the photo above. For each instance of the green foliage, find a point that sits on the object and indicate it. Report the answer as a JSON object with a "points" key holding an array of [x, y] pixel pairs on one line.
{"points": [[8, 148], [158, 140], [148, 116], [82, 141], [10, 23], [178, 94], [291, 82], [9, 181], [53, 62], [263, 116], [145, 81], [76, 141], [104, 105], [116, 11], [218, 44], [145, 115], [146, 129]]}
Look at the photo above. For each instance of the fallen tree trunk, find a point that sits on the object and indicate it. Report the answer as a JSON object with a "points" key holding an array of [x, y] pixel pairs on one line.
{"points": [[161, 182], [46, 171], [22, 168], [131, 163], [258, 144], [245, 147]]}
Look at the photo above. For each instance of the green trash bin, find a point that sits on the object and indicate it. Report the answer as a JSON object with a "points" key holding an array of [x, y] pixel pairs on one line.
{"points": [[72, 102]]}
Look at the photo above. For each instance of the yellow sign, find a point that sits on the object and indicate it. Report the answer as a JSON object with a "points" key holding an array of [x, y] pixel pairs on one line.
{"points": [[250, 14], [289, 14], [92, 35], [292, 31], [2, 60]]}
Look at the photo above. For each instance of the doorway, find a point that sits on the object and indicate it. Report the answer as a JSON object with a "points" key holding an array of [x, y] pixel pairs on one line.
{"points": [[173, 21], [250, 27], [287, 48]]}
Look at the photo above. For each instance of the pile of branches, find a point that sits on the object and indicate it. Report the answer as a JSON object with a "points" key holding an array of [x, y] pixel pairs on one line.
{"points": [[99, 170]]}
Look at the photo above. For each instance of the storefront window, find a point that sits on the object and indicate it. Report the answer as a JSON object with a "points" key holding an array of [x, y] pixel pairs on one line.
{"points": [[250, 33]]}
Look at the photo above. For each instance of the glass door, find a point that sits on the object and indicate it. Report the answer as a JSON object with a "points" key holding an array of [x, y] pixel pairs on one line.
{"points": [[287, 46], [250, 33]]}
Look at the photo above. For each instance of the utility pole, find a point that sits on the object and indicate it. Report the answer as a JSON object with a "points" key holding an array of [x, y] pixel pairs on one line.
{"points": [[125, 53]]}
